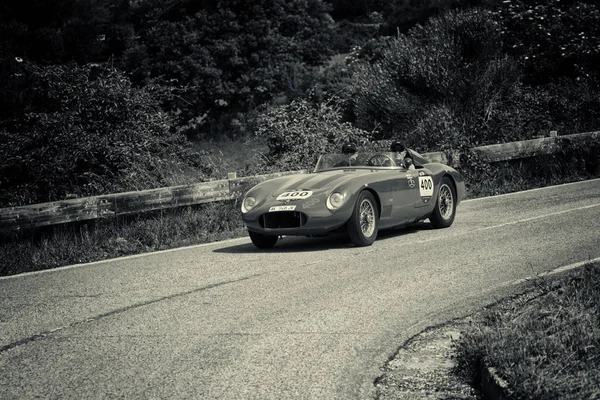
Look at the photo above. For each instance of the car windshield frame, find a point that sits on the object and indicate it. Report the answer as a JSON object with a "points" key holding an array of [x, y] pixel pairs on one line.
{"points": [[360, 160]]}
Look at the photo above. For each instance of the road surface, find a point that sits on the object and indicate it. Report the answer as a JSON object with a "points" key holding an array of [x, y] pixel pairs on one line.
{"points": [[310, 319]]}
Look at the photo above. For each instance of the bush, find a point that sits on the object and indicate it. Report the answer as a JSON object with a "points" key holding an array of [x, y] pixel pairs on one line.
{"points": [[228, 57], [552, 38], [349, 34], [297, 133], [437, 129], [453, 67], [454, 83], [85, 131]]}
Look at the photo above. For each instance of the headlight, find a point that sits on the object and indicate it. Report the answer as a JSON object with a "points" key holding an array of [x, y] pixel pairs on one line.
{"points": [[335, 201], [248, 204]]}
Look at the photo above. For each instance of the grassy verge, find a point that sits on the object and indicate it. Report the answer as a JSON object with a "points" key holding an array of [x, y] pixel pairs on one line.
{"points": [[512, 176], [103, 239], [545, 344]]}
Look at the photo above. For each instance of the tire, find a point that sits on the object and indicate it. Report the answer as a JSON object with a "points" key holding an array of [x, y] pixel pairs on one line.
{"points": [[364, 222], [263, 241], [445, 206]]}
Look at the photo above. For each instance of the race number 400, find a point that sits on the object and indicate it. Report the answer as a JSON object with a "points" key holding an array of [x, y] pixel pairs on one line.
{"points": [[297, 195], [426, 186]]}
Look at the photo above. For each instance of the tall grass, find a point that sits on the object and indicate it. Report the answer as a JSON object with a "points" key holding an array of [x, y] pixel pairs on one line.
{"points": [[103, 239], [529, 173], [547, 347]]}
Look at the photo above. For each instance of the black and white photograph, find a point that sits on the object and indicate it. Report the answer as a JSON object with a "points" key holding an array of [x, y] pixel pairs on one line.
{"points": [[300, 199]]}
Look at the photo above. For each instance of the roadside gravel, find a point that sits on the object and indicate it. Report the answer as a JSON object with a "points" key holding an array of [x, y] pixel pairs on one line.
{"points": [[421, 369]]}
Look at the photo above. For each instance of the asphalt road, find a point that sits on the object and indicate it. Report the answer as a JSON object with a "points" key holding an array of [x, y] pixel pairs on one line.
{"points": [[311, 319]]}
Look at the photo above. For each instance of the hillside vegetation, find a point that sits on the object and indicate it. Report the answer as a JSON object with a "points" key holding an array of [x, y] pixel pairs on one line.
{"points": [[101, 96]]}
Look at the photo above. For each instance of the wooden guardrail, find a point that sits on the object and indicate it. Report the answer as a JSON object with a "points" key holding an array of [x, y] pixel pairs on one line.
{"points": [[111, 205], [515, 150], [89, 208]]}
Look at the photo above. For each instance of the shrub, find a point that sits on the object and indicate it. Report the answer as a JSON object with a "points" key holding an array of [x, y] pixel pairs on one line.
{"points": [[452, 67], [349, 34], [552, 38], [436, 129], [297, 133], [86, 131]]}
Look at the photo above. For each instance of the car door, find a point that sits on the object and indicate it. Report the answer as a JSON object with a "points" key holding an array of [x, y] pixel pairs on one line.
{"points": [[405, 196]]}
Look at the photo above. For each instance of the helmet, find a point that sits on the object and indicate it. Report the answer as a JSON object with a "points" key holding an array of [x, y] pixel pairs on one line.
{"points": [[397, 147], [348, 148]]}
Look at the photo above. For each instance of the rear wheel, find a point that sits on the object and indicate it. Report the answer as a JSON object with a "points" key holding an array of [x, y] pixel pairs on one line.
{"points": [[262, 241], [364, 222], [445, 206]]}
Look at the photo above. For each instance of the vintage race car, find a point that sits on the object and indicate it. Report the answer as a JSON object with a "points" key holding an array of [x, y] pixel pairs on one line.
{"points": [[359, 193]]}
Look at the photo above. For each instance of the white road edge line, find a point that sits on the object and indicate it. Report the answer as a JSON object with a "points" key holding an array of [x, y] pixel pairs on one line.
{"points": [[133, 256], [484, 228], [554, 271], [537, 217]]}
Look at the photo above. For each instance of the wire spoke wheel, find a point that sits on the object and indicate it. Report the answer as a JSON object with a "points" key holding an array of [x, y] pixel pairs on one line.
{"points": [[364, 222], [367, 218], [446, 202], [445, 206]]}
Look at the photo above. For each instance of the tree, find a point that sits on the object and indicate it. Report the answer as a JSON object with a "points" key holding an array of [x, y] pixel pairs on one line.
{"points": [[353, 9], [228, 56], [439, 85], [56, 32], [552, 38]]}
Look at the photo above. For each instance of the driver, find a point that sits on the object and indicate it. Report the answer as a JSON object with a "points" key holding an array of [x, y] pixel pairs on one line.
{"points": [[401, 153], [349, 150]]}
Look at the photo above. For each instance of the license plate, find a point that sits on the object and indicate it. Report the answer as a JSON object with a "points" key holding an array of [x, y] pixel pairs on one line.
{"points": [[282, 208]]}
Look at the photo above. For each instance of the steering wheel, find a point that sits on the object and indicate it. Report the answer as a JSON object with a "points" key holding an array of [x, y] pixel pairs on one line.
{"points": [[380, 160]]}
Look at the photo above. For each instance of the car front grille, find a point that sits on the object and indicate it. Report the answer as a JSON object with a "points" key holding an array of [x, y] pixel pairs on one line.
{"points": [[282, 219]]}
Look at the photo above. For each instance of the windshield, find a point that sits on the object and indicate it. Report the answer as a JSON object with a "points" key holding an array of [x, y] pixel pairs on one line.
{"points": [[366, 160]]}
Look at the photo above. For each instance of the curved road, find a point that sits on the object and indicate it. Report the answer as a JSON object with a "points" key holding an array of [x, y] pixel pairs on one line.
{"points": [[311, 319]]}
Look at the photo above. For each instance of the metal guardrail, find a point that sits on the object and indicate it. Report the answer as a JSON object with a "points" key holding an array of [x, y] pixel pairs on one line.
{"points": [[111, 205]]}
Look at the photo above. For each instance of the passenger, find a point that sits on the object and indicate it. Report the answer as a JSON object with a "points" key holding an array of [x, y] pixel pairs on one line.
{"points": [[402, 156]]}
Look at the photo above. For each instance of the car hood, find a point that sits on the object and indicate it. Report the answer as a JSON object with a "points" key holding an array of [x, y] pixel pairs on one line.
{"points": [[320, 181]]}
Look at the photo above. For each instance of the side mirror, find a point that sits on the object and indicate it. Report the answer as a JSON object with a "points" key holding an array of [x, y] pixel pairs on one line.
{"points": [[408, 162]]}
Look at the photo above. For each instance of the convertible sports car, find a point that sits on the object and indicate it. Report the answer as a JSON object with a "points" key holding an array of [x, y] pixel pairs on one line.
{"points": [[359, 193]]}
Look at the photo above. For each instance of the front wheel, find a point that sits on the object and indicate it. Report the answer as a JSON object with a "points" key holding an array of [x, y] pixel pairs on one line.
{"points": [[445, 206], [364, 222], [262, 241]]}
